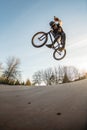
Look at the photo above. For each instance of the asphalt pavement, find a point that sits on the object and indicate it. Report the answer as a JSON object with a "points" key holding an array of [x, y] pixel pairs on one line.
{"points": [[60, 107]]}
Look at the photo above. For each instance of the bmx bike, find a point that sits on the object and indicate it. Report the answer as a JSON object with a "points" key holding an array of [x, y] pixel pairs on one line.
{"points": [[40, 39]]}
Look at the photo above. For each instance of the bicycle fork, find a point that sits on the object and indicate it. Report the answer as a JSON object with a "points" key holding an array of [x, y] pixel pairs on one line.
{"points": [[42, 37]]}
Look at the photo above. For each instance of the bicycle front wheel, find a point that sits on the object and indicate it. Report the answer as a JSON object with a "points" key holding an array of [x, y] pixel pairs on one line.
{"points": [[39, 39], [58, 55]]}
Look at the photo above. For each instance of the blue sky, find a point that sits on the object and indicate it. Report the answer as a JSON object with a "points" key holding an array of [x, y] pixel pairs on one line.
{"points": [[21, 19]]}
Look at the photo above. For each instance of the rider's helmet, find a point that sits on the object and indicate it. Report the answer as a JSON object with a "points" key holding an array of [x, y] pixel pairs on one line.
{"points": [[52, 23]]}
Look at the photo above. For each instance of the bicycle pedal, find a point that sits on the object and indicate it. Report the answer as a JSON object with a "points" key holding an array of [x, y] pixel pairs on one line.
{"points": [[50, 46]]}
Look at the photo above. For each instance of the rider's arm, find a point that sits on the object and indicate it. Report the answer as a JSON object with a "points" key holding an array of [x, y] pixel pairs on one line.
{"points": [[58, 20]]}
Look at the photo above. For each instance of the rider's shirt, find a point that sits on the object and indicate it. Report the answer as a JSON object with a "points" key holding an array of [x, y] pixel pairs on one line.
{"points": [[58, 30]]}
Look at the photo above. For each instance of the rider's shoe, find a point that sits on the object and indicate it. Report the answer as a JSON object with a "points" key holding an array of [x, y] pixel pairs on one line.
{"points": [[49, 45], [61, 48]]}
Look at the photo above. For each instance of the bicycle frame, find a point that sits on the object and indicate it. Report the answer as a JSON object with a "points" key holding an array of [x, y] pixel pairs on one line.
{"points": [[50, 33], [53, 41]]}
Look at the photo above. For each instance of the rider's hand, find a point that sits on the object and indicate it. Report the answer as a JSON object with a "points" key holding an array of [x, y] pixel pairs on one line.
{"points": [[56, 19]]}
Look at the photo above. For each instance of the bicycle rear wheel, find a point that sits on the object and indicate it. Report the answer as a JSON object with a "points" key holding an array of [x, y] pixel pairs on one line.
{"points": [[39, 39], [58, 55]]}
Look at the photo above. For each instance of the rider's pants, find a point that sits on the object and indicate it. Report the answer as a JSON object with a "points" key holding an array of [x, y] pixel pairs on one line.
{"points": [[62, 36], [63, 39]]}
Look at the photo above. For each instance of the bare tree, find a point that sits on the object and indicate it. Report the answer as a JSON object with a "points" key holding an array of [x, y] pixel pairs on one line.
{"points": [[61, 74], [37, 77], [0, 65], [48, 76], [70, 73], [75, 75], [1, 68], [56, 74], [65, 77], [12, 69]]}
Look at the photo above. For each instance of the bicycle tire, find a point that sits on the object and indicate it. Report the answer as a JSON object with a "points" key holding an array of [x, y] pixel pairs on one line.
{"points": [[59, 53], [45, 37]]}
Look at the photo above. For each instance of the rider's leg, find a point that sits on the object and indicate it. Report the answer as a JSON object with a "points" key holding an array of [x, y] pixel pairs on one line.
{"points": [[63, 39], [57, 39]]}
